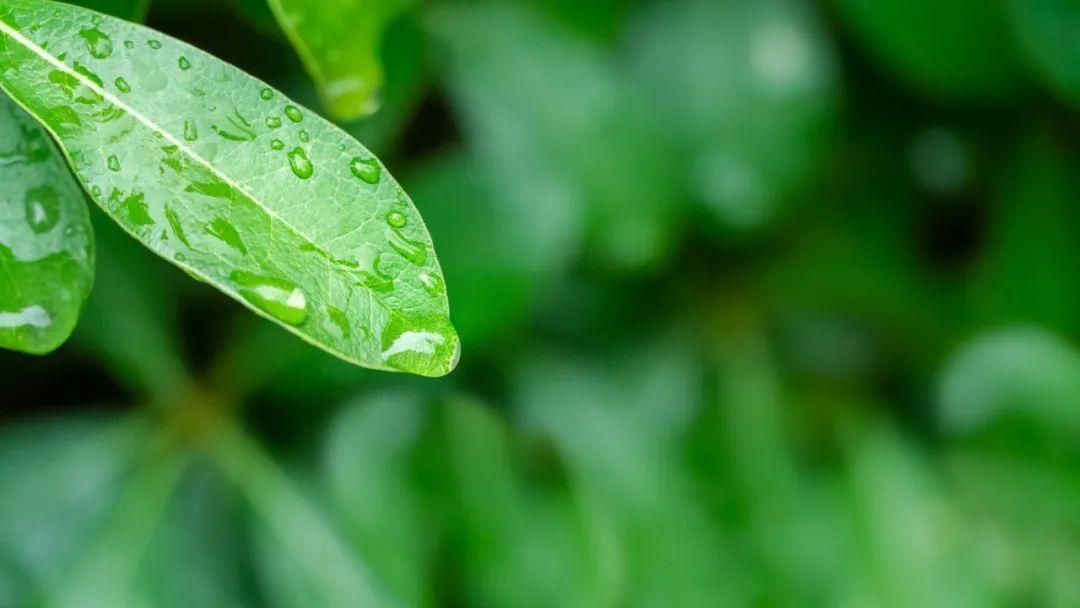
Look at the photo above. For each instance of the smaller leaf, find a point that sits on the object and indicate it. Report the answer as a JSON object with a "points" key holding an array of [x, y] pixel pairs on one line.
{"points": [[339, 45], [46, 243]]}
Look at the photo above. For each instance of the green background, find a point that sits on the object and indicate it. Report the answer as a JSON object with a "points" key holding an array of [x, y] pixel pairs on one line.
{"points": [[761, 304]]}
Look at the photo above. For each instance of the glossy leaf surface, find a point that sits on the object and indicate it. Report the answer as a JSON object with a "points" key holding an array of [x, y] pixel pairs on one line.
{"points": [[46, 244], [338, 40], [228, 179]]}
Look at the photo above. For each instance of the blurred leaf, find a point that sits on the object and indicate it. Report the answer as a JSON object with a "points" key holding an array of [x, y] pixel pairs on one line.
{"points": [[196, 556], [303, 559], [751, 90], [130, 319], [1011, 374], [1032, 258], [521, 545], [561, 129], [104, 576], [1049, 32], [59, 479], [953, 50], [366, 462], [132, 10], [406, 61], [909, 553], [270, 238], [599, 427], [339, 42], [46, 243]]}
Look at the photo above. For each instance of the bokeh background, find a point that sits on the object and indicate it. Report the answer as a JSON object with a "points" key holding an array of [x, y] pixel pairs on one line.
{"points": [[763, 303]]}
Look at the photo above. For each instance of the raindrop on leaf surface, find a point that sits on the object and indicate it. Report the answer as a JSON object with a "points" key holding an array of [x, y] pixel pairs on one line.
{"points": [[367, 169], [300, 163], [278, 298], [293, 113]]}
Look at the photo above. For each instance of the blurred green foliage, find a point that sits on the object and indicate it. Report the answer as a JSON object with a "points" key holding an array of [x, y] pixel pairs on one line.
{"points": [[762, 304]]}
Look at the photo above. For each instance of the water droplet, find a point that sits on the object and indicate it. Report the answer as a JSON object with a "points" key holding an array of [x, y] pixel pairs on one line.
{"points": [[97, 42], [304, 137], [42, 206], [30, 316], [278, 298], [95, 191], [432, 283], [300, 163], [174, 222], [396, 219], [154, 44], [122, 85], [425, 345], [184, 63], [340, 321], [129, 44], [293, 113], [221, 229], [273, 122], [367, 169], [277, 144], [113, 162], [413, 251], [266, 94], [191, 131]]}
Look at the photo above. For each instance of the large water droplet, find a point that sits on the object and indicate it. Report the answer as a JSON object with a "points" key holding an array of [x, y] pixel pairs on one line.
{"points": [[427, 345], [413, 251], [266, 94], [396, 219], [97, 42], [293, 113], [122, 85], [226, 233], [277, 144], [367, 169], [432, 283], [30, 316], [278, 298], [300, 163], [42, 207], [341, 322]]}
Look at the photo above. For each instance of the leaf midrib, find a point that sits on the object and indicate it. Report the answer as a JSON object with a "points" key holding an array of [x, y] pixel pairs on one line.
{"points": [[153, 126]]}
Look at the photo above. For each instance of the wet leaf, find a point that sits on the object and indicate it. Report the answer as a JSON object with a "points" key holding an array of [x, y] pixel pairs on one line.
{"points": [[339, 45], [231, 181], [46, 243]]}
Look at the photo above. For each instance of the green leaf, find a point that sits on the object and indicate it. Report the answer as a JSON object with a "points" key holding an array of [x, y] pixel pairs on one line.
{"points": [[226, 178], [339, 45], [46, 243]]}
